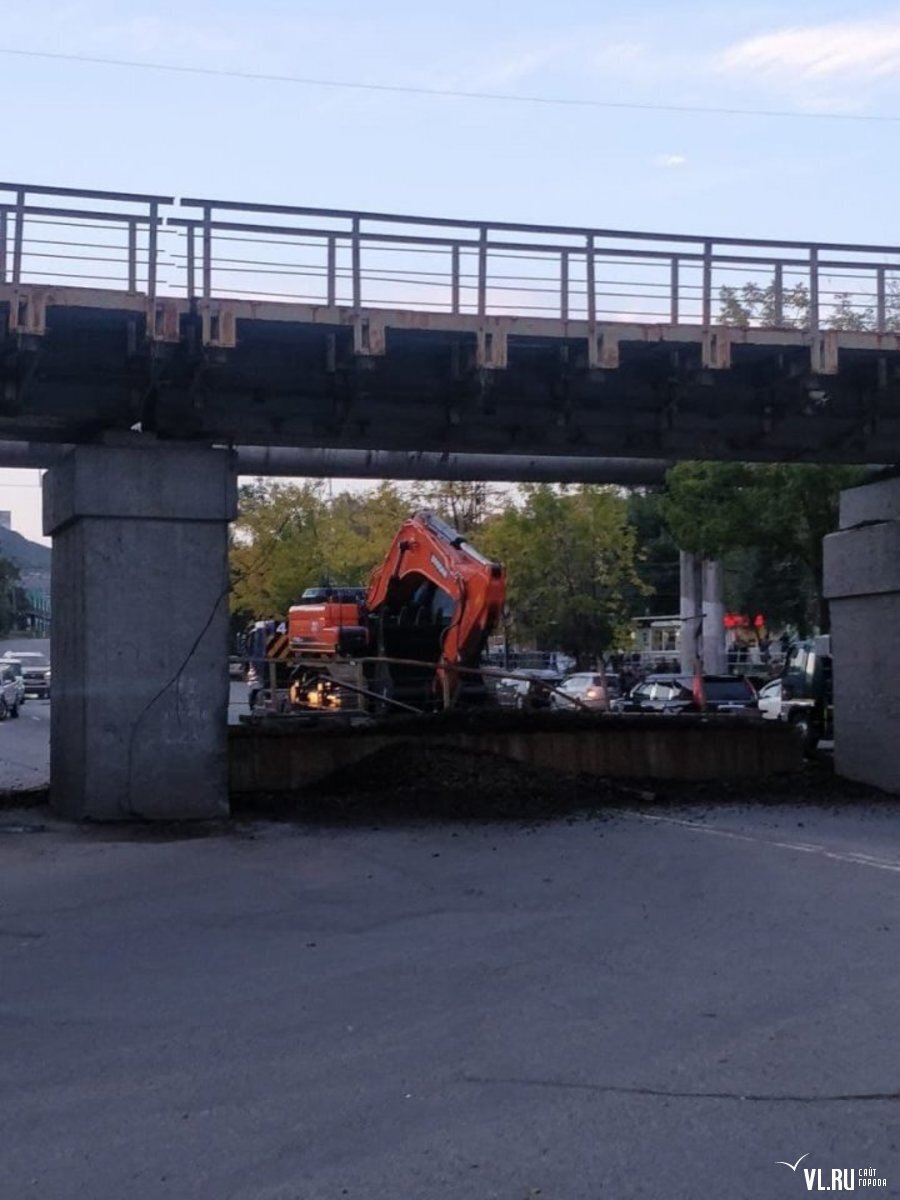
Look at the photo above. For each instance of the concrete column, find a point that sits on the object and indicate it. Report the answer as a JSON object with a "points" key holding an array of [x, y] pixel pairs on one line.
{"points": [[715, 659], [691, 609], [862, 585], [140, 630]]}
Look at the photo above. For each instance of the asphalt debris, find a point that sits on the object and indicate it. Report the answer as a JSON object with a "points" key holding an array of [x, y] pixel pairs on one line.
{"points": [[424, 781]]}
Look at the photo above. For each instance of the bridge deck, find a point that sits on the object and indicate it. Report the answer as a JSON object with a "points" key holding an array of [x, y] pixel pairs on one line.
{"points": [[294, 326]]}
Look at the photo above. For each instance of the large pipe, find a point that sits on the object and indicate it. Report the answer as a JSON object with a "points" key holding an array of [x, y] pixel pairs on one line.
{"points": [[396, 464]]}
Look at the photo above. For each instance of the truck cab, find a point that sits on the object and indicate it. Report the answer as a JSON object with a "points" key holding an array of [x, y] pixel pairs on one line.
{"points": [[807, 699]]}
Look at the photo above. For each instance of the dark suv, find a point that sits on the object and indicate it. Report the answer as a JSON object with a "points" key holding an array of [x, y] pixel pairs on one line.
{"points": [[675, 694]]}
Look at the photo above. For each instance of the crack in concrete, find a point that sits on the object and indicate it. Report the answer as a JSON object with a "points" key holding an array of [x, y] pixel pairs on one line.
{"points": [[613, 1089]]}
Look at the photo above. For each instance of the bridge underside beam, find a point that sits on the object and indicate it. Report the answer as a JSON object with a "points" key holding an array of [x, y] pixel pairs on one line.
{"points": [[140, 631], [270, 374]]}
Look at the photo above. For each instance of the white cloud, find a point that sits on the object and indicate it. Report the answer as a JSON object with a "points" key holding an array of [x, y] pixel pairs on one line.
{"points": [[838, 50], [670, 161]]}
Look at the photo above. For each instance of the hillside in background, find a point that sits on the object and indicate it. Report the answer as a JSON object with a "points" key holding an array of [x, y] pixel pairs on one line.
{"points": [[27, 556]]}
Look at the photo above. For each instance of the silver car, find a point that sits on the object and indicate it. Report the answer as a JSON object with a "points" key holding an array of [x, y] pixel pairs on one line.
{"points": [[588, 689]]}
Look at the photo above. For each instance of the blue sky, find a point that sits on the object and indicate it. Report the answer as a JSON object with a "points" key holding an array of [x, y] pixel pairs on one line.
{"points": [[86, 125]]}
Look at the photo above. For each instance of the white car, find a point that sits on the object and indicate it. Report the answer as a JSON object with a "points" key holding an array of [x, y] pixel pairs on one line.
{"points": [[12, 689], [35, 669], [770, 700]]}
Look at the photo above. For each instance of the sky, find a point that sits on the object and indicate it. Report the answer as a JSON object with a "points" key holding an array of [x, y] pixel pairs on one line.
{"points": [[812, 174]]}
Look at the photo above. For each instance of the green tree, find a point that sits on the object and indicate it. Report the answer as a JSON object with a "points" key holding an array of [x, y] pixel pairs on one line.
{"points": [[464, 505], [289, 537], [780, 511], [12, 598], [844, 316], [572, 558], [660, 589], [755, 305]]}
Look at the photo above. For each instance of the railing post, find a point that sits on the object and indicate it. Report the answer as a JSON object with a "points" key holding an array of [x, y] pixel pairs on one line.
{"points": [[591, 281], [674, 289], [152, 251], [881, 302], [813, 291], [132, 256], [331, 272], [707, 283], [482, 270], [564, 285], [356, 268], [191, 261], [778, 296], [454, 279], [19, 237], [3, 235], [207, 252]]}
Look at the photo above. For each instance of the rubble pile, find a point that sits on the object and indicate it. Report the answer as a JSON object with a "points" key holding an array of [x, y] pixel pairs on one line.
{"points": [[424, 780]]}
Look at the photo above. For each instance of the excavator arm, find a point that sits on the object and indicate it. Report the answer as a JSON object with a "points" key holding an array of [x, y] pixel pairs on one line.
{"points": [[435, 598]]}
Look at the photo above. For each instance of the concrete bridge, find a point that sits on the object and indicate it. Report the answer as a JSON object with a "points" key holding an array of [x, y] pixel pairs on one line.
{"points": [[149, 338]]}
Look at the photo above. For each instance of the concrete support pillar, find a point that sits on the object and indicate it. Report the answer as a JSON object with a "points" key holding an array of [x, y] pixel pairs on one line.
{"points": [[140, 630], [691, 610], [862, 585], [715, 659], [702, 614]]}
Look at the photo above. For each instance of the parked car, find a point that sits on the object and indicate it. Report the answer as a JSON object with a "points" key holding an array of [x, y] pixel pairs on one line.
{"points": [[675, 694], [11, 690], [592, 688], [16, 667], [35, 671], [533, 692], [770, 700]]}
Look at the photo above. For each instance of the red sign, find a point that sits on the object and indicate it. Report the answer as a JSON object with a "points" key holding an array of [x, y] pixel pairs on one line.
{"points": [[739, 621]]}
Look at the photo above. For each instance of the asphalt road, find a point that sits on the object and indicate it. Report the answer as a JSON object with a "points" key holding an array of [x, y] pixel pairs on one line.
{"points": [[660, 1005]]}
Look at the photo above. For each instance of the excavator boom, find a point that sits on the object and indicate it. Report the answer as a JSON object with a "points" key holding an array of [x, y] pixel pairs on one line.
{"points": [[435, 598]]}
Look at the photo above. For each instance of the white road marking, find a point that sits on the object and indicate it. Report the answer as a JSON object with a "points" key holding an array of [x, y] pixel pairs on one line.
{"points": [[846, 856]]}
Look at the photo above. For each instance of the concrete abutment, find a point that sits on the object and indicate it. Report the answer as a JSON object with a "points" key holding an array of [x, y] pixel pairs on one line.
{"points": [[140, 631], [862, 585]]}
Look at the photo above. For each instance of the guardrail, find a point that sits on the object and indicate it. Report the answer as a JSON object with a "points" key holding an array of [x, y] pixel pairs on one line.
{"points": [[114, 242], [205, 249]]}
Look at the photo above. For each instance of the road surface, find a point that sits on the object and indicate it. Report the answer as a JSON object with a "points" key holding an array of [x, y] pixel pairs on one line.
{"points": [[662, 1006]]}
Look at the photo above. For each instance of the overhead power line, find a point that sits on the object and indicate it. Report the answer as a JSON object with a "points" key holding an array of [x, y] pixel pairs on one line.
{"points": [[449, 93]]}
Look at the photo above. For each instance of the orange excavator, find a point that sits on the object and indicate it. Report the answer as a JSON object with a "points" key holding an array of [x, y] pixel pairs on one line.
{"points": [[428, 611]]}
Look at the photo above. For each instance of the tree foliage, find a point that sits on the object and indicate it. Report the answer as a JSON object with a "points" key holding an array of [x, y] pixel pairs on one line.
{"points": [[753, 305], [768, 522], [13, 601], [292, 536], [572, 562]]}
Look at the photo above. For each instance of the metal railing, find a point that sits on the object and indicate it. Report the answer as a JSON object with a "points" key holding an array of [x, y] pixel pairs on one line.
{"points": [[207, 249], [113, 242]]}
